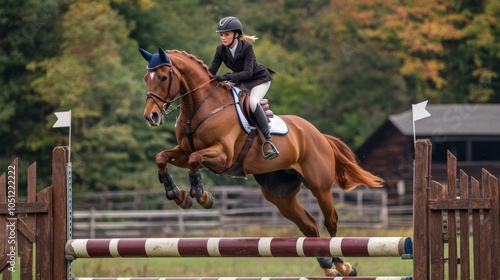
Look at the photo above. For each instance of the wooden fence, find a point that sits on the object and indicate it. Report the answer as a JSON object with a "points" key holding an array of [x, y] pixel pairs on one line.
{"points": [[235, 208], [453, 222], [36, 227]]}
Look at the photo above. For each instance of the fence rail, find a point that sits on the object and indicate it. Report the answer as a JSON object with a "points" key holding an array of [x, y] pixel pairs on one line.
{"points": [[238, 207]]}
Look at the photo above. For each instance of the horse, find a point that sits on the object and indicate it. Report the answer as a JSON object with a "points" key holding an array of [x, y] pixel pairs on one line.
{"points": [[209, 136]]}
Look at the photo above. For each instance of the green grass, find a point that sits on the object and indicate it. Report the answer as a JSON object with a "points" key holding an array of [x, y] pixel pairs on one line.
{"points": [[224, 267]]}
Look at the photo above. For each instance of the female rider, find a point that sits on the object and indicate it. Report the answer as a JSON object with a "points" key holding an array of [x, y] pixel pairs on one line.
{"points": [[236, 51]]}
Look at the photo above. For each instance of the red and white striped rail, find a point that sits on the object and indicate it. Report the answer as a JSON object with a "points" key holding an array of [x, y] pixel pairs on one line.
{"points": [[240, 247], [255, 278]]}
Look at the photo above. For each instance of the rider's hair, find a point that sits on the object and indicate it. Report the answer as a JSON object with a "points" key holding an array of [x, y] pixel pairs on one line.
{"points": [[249, 38]]}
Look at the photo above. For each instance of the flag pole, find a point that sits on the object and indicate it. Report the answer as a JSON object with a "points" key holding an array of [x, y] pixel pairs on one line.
{"points": [[414, 135], [69, 142], [418, 112]]}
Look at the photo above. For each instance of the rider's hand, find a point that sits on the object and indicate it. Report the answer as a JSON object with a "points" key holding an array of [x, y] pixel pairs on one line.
{"points": [[221, 78]]}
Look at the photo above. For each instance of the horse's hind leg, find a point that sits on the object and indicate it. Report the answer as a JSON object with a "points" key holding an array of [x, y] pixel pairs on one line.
{"points": [[326, 204], [291, 208]]}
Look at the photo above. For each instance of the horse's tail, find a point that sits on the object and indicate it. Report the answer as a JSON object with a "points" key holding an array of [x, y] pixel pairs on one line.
{"points": [[349, 174]]}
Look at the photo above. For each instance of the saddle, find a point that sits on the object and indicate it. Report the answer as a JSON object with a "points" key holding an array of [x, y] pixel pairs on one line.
{"points": [[237, 170], [244, 103]]}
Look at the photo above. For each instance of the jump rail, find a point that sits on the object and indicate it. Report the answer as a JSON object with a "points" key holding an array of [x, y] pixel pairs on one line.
{"points": [[252, 278], [241, 247]]}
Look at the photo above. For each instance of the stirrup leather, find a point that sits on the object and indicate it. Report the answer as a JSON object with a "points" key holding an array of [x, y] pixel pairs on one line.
{"points": [[271, 153]]}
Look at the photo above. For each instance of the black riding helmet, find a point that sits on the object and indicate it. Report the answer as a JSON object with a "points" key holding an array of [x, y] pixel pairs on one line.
{"points": [[229, 24]]}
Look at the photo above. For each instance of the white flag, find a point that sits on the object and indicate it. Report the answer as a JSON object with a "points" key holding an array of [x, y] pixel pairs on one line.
{"points": [[63, 119], [419, 111]]}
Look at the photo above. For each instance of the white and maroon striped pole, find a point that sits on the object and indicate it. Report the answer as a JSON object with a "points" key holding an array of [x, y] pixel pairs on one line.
{"points": [[254, 278], [240, 247]]}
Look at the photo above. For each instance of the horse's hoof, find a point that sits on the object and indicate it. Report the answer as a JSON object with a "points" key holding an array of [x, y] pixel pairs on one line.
{"points": [[331, 272], [353, 271], [346, 269], [206, 200], [184, 201]]}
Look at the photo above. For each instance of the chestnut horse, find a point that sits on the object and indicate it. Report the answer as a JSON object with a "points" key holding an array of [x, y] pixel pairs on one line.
{"points": [[209, 135]]}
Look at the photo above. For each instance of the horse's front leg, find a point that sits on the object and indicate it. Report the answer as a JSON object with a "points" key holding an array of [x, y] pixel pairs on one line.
{"points": [[177, 157], [212, 156]]}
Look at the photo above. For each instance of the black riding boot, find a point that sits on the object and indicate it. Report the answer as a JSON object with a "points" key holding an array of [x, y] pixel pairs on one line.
{"points": [[261, 121]]}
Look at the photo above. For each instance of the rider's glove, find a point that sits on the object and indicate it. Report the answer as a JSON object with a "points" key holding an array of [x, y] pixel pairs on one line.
{"points": [[221, 78]]}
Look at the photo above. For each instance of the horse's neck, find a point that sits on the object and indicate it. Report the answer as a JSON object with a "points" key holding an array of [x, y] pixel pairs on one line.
{"points": [[205, 100], [199, 98]]}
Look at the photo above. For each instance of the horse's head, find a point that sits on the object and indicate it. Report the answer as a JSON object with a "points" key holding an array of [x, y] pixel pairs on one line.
{"points": [[163, 85]]}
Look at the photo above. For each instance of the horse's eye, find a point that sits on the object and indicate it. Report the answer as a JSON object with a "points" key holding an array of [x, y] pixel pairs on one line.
{"points": [[163, 78]]}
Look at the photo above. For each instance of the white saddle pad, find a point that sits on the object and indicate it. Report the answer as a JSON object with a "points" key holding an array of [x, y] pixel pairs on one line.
{"points": [[277, 125]]}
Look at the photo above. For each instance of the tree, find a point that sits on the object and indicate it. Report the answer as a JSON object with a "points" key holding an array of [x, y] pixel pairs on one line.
{"points": [[90, 78], [29, 32], [448, 51]]}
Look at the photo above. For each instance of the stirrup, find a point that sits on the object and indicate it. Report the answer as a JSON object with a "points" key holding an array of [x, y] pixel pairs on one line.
{"points": [[271, 153]]}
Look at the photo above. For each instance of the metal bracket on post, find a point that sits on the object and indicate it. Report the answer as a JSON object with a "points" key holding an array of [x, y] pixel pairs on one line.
{"points": [[69, 207]]}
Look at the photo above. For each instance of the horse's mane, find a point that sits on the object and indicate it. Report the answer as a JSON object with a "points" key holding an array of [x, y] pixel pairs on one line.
{"points": [[192, 57], [197, 60]]}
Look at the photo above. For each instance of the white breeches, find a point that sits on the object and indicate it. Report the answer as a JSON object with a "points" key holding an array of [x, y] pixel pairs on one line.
{"points": [[257, 94]]}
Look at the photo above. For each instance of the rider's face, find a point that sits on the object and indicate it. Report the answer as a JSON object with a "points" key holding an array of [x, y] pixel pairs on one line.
{"points": [[227, 38]]}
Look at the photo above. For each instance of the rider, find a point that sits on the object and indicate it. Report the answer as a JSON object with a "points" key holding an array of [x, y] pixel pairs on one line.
{"points": [[236, 51]]}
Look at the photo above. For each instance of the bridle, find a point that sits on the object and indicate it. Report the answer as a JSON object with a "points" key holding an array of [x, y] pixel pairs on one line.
{"points": [[164, 108], [156, 96]]}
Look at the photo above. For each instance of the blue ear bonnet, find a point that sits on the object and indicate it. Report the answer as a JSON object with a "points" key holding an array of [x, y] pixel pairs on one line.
{"points": [[156, 60]]}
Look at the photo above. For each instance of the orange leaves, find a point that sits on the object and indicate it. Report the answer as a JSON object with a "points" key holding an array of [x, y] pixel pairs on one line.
{"points": [[415, 31], [427, 70]]}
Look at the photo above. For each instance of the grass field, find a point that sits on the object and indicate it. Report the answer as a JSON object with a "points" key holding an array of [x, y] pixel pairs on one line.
{"points": [[225, 267]]}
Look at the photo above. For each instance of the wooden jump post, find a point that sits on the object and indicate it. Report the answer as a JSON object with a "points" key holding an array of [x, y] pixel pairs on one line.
{"points": [[437, 209], [39, 226]]}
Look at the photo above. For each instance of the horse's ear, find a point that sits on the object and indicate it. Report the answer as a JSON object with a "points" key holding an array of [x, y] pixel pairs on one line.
{"points": [[147, 55], [163, 56]]}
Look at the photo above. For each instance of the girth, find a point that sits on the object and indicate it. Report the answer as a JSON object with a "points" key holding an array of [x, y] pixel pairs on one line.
{"points": [[237, 170]]}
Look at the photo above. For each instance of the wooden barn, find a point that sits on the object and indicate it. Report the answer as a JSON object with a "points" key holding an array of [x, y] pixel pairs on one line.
{"points": [[470, 131]]}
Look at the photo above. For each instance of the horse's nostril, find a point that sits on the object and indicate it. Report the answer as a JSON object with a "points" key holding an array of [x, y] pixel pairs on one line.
{"points": [[155, 117]]}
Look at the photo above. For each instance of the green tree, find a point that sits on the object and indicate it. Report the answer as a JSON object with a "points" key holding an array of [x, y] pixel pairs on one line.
{"points": [[29, 31], [91, 78], [182, 25]]}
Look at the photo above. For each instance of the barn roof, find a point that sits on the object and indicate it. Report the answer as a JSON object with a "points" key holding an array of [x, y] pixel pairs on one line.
{"points": [[452, 119], [445, 119]]}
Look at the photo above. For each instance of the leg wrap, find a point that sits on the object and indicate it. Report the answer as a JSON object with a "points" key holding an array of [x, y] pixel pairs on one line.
{"points": [[325, 262], [171, 190], [196, 185]]}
